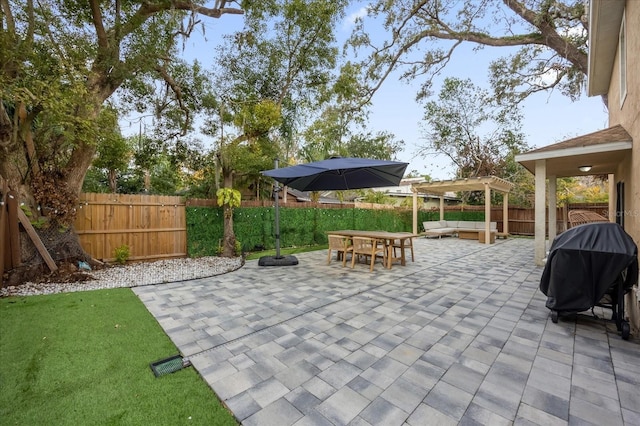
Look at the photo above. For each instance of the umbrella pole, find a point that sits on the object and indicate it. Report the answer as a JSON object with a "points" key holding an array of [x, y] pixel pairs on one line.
{"points": [[276, 191], [277, 260]]}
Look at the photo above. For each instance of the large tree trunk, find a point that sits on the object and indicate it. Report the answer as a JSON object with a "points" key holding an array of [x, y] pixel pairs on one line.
{"points": [[229, 236], [48, 195]]}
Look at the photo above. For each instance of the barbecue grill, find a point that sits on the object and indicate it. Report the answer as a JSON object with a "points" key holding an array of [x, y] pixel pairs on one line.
{"points": [[594, 264]]}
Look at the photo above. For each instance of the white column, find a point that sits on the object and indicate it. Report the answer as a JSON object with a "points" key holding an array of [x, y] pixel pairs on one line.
{"points": [[487, 214], [505, 214], [540, 216], [553, 207], [612, 197], [442, 207]]}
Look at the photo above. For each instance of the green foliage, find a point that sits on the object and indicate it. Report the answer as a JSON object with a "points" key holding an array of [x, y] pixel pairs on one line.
{"points": [[479, 136], [122, 254], [237, 249], [381, 145], [40, 222], [62, 62], [376, 197], [272, 74], [26, 210], [114, 151], [96, 180], [299, 227], [204, 230], [228, 197], [408, 202], [340, 129]]}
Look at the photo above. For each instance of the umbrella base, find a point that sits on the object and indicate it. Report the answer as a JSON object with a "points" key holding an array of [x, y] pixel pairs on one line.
{"points": [[278, 261]]}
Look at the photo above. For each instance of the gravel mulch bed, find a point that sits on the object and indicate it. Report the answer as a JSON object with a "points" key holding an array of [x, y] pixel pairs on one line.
{"points": [[135, 274]]}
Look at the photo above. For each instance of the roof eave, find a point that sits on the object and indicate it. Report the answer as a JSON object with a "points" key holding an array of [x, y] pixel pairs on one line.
{"points": [[570, 152], [605, 17]]}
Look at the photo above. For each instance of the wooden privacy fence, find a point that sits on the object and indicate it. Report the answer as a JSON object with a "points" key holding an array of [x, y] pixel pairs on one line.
{"points": [[522, 219], [152, 226]]}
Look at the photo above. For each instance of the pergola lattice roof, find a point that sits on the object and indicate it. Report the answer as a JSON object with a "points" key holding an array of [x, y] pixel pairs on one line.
{"points": [[469, 184]]}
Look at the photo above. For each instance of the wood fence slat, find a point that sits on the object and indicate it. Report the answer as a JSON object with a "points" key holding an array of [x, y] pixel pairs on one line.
{"points": [[152, 226]]}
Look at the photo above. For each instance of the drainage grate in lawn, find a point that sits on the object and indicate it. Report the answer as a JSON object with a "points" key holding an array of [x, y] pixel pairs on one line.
{"points": [[169, 365]]}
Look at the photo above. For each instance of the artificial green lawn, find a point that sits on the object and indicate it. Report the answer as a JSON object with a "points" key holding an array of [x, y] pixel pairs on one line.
{"points": [[83, 359]]}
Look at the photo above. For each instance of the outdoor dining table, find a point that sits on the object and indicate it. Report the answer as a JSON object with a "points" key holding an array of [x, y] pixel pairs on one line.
{"points": [[386, 237]]}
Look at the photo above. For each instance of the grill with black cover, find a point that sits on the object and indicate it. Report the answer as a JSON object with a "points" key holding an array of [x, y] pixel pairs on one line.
{"points": [[589, 265]]}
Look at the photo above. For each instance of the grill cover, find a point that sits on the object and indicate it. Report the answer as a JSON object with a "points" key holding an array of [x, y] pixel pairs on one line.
{"points": [[584, 263]]}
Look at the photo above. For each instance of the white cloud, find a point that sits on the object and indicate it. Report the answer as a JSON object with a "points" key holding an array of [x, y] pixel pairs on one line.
{"points": [[350, 20], [574, 32]]}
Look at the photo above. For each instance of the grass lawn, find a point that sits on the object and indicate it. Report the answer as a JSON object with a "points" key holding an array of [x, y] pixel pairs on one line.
{"points": [[83, 359]]}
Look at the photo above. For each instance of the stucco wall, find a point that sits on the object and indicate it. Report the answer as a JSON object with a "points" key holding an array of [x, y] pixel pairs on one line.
{"points": [[628, 115]]}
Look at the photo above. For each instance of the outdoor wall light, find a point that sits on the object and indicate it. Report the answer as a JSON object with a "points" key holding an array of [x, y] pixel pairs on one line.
{"points": [[584, 168]]}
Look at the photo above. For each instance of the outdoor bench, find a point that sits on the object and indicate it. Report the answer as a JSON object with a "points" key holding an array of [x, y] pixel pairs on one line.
{"points": [[465, 229]]}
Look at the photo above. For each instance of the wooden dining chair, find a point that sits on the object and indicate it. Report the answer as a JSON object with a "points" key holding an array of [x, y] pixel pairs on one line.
{"points": [[341, 245], [367, 247], [408, 243]]}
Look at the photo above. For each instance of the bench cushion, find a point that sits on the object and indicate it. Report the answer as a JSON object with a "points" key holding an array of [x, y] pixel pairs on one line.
{"points": [[451, 226], [431, 225]]}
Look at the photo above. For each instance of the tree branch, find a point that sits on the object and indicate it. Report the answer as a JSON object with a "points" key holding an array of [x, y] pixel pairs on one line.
{"points": [[6, 11], [148, 9], [175, 88], [96, 16], [413, 24], [550, 36]]}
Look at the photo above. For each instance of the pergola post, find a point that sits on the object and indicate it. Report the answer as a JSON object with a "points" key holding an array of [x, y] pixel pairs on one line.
{"points": [[505, 214], [540, 216], [487, 214], [442, 207], [415, 210], [553, 207]]}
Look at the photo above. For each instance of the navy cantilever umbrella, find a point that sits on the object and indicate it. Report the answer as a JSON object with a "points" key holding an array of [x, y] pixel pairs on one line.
{"points": [[333, 174], [340, 174]]}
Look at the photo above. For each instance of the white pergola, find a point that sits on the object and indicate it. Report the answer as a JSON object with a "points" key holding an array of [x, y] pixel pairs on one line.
{"points": [[486, 184], [597, 153]]}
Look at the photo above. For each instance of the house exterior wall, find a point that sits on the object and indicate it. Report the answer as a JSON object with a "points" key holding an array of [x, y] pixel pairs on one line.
{"points": [[628, 115]]}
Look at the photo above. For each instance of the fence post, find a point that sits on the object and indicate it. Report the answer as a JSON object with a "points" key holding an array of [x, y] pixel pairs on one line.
{"points": [[4, 242]]}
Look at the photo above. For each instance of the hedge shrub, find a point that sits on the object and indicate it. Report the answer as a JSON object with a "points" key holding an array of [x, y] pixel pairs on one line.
{"points": [[255, 226]]}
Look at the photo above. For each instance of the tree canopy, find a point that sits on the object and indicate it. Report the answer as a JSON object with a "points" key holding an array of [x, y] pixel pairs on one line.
{"points": [[62, 62], [475, 132], [547, 41]]}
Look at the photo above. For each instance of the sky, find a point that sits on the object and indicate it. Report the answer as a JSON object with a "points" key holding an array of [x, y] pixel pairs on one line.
{"points": [[548, 118]]}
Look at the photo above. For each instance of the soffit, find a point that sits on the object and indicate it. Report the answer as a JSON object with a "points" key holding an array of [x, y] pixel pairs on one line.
{"points": [[602, 150], [605, 17]]}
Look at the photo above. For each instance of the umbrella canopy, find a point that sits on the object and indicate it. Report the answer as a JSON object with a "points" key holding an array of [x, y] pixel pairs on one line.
{"points": [[340, 174]]}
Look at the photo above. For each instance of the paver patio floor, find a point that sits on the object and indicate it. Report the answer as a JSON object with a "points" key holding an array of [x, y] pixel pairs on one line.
{"points": [[460, 336]]}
